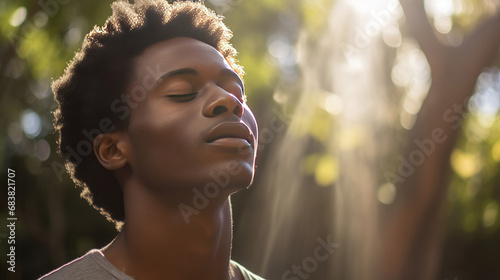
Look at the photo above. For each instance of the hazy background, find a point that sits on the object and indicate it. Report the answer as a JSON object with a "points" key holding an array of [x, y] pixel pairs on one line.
{"points": [[333, 104]]}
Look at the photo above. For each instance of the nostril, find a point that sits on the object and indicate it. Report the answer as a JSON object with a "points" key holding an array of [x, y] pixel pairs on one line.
{"points": [[238, 111], [219, 110]]}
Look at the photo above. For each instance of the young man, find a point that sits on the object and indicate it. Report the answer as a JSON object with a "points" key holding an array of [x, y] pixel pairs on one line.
{"points": [[155, 129]]}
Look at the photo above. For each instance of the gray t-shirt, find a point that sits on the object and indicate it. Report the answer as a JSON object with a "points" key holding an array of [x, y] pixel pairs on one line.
{"points": [[94, 265]]}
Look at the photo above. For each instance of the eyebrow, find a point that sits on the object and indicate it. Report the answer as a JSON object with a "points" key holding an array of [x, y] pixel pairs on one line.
{"points": [[192, 72], [177, 72]]}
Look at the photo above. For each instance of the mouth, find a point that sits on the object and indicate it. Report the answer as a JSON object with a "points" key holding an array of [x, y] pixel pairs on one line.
{"points": [[230, 134]]}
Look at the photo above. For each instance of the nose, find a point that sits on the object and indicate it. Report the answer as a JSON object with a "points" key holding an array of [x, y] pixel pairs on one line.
{"points": [[222, 102]]}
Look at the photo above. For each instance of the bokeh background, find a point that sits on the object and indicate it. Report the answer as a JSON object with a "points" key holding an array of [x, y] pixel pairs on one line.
{"points": [[336, 86]]}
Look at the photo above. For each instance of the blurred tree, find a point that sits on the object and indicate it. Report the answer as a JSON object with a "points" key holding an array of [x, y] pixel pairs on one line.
{"points": [[361, 89], [413, 229]]}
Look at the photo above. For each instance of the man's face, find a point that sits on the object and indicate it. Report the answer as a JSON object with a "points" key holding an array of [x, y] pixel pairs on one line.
{"points": [[193, 124]]}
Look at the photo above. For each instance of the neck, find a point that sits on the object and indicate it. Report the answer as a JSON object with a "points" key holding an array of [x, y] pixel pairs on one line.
{"points": [[157, 243]]}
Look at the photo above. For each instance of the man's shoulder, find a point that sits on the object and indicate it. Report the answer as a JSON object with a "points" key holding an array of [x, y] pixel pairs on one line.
{"points": [[74, 269], [247, 274], [92, 265]]}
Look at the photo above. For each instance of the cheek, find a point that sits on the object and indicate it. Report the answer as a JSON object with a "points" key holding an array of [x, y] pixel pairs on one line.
{"points": [[160, 137], [162, 148]]}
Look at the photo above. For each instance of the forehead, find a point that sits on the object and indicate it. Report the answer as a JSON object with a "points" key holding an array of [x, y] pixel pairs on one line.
{"points": [[177, 53]]}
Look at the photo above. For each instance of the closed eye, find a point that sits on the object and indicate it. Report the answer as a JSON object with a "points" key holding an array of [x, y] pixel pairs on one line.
{"points": [[183, 97]]}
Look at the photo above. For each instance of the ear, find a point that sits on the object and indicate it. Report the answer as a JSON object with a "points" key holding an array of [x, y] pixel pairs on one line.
{"points": [[109, 149]]}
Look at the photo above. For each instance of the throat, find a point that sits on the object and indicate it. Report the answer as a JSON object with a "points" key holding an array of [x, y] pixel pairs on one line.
{"points": [[159, 244]]}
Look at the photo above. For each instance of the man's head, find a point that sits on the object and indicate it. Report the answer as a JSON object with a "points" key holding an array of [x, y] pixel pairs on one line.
{"points": [[103, 87]]}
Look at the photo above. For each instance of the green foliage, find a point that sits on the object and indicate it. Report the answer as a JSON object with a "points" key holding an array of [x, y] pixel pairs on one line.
{"points": [[39, 48]]}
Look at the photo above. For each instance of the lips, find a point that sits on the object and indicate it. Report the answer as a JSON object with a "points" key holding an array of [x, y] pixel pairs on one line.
{"points": [[229, 131]]}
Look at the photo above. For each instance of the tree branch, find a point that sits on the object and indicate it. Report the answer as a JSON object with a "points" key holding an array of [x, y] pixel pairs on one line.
{"points": [[420, 28], [413, 227]]}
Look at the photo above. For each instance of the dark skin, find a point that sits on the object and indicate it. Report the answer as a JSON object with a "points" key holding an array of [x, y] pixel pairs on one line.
{"points": [[192, 123]]}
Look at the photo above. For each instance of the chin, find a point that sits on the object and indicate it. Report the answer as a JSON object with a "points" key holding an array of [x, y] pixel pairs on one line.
{"points": [[232, 177]]}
